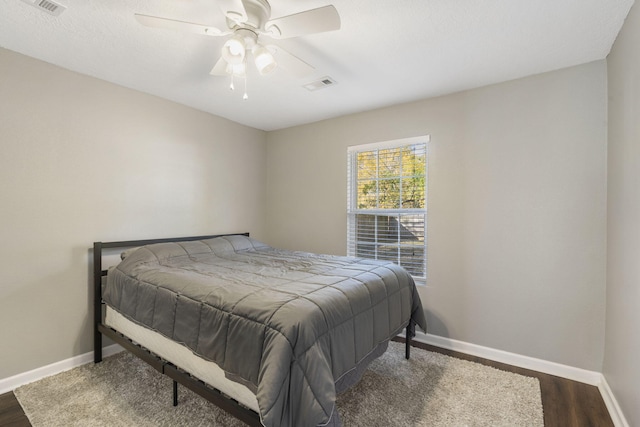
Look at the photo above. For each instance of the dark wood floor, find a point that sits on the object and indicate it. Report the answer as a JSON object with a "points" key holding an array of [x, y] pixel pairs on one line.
{"points": [[565, 403], [11, 413]]}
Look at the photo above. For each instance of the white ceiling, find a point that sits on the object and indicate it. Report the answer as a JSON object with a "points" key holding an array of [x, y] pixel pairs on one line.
{"points": [[387, 51]]}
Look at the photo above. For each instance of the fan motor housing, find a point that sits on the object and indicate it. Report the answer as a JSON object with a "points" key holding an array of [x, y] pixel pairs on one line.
{"points": [[258, 13]]}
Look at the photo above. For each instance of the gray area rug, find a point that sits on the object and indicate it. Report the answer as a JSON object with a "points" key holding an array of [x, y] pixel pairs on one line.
{"points": [[430, 389]]}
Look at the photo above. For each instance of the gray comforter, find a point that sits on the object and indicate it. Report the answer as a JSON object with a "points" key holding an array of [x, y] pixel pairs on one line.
{"points": [[287, 324]]}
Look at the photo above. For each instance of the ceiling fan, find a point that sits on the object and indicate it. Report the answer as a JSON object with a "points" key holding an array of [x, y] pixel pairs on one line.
{"points": [[249, 20]]}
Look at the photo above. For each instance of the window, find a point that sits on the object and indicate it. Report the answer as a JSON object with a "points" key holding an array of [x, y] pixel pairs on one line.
{"points": [[387, 203]]}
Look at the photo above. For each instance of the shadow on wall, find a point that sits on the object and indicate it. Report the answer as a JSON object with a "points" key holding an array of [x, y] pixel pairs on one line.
{"points": [[435, 325]]}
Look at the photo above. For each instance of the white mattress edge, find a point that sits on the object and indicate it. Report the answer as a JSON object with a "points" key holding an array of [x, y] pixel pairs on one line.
{"points": [[181, 356]]}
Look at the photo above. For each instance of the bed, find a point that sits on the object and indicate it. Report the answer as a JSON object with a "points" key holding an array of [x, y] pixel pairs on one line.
{"points": [[270, 336]]}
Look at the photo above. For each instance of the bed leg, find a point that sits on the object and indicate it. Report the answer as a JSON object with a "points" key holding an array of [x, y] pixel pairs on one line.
{"points": [[175, 393], [410, 333], [97, 346]]}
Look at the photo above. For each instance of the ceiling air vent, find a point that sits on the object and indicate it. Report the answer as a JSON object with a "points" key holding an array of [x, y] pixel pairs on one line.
{"points": [[49, 6], [320, 84]]}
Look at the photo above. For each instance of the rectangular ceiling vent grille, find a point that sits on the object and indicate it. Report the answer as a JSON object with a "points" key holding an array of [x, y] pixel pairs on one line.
{"points": [[320, 84], [49, 6]]}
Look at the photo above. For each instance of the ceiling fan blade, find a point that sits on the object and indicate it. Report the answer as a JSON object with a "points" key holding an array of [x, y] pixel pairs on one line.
{"points": [[220, 69], [309, 22], [234, 10], [289, 62], [172, 24]]}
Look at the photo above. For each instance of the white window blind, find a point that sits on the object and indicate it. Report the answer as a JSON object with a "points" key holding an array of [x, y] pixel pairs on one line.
{"points": [[387, 203]]}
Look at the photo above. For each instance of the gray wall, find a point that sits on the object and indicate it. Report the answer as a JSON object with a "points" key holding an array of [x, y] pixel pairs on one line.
{"points": [[84, 160], [622, 345], [516, 200]]}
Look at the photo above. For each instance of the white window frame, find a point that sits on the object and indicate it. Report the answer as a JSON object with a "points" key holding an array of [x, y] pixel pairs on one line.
{"points": [[353, 211]]}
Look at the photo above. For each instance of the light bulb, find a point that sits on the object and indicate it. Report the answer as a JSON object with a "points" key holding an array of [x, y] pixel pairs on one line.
{"points": [[233, 50], [265, 63], [236, 48], [239, 69]]}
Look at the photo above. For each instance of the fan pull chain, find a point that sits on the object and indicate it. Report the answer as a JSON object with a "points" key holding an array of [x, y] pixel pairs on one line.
{"points": [[231, 86]]}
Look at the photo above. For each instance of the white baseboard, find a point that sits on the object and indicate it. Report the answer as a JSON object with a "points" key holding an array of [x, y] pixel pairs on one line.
{"points": [[615, 412], [551, 368], [11, 383]]}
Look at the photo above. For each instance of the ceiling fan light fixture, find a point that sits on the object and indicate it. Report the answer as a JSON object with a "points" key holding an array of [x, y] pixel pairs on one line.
{"points": [[246, 20], [234, 50], [264, 60]]}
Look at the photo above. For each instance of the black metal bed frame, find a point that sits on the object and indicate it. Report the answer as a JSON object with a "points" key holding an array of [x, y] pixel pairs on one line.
{"points": [[211, 394]]}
